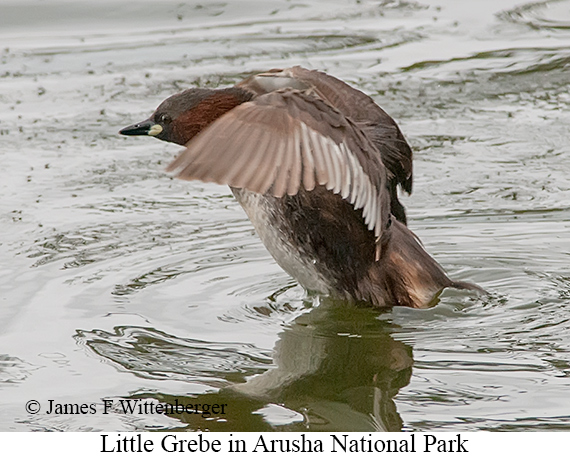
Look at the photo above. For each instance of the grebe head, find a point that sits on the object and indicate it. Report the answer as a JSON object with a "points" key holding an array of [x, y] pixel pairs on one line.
{"points": [[182, 116]]}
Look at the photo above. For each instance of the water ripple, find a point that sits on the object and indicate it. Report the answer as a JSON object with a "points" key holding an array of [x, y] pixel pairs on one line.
{"points": [[150, 353], [551, 14]]}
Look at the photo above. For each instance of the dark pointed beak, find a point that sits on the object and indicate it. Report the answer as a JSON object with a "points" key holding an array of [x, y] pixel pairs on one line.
{"points": [[142, 128]]}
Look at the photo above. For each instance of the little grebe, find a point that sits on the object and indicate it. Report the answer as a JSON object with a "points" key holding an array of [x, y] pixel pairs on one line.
{"points": [[315, 164]]}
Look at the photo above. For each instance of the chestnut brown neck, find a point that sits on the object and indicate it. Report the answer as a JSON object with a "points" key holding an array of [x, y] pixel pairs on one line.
{"points": [[211, 107]]}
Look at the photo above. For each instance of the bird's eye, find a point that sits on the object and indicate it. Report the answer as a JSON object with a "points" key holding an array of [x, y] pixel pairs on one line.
{"points": [[164, 119]]}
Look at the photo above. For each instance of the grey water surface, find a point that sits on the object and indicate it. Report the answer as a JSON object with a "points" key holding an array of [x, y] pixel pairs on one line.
{"points": [[119, 282]]}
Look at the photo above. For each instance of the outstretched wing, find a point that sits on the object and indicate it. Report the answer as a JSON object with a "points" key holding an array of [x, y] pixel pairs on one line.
{"points": [[355, 105], [285, 140]]}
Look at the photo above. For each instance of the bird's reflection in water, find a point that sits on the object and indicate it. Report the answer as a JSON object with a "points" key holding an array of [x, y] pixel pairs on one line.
{"points": [[336, 368]]}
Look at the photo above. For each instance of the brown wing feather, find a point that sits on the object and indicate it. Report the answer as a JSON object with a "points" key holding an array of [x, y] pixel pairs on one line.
{"points": [[354, 104], [297, 140]]}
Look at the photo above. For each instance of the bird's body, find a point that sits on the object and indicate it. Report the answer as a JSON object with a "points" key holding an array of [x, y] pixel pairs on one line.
{"points": [[315, 164]]}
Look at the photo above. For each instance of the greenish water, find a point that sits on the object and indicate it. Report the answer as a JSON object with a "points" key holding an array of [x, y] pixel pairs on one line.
{"points": [[118, 282]]}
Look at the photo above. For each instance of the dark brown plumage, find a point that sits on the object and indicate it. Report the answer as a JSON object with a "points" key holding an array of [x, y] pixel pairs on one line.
{"points": [[316, 164]]}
